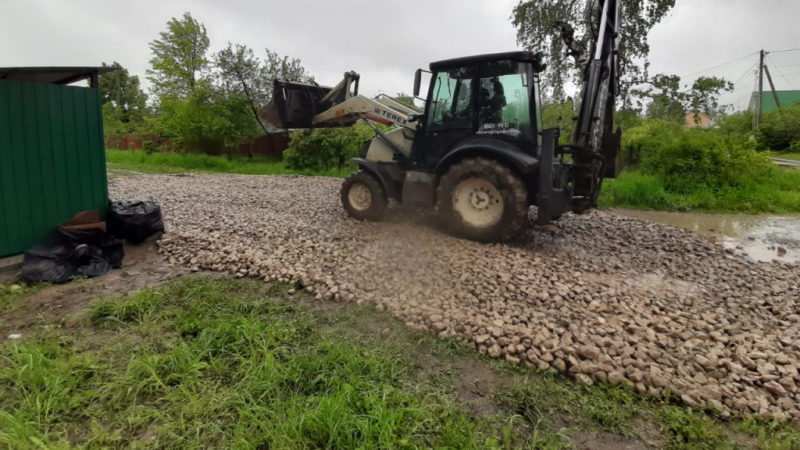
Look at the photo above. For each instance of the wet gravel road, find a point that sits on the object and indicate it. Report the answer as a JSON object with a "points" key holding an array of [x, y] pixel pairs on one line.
{"points": [[607, 299]]}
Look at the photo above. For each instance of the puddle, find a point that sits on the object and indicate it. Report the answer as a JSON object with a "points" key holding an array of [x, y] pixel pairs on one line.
{"points": [[762, 238]]}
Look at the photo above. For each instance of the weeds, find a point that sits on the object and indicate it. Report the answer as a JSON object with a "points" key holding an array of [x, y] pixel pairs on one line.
{"points": [[11, 293], [777, 193], [228, 367], [140, 161], [214, 362]]}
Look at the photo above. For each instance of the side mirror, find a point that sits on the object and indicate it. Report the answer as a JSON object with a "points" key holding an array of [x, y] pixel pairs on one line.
{"points": [[417, 82]]}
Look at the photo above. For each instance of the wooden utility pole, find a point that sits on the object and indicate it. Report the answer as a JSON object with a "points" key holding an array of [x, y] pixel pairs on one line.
{"points": [[760, 87], [772, 87]]}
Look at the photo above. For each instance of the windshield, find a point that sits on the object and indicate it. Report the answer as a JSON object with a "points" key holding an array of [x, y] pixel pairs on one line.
{"points": [[451, 106]]}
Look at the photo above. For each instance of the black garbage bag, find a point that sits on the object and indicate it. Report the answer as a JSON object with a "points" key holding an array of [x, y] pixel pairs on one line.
{"points": [[91, 262], [54, 263], [70, 252], [113, 252], [134, 221]]}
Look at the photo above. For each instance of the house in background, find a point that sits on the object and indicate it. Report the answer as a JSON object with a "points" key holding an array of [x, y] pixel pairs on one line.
{"points": [[698, 120], [787, 98]]}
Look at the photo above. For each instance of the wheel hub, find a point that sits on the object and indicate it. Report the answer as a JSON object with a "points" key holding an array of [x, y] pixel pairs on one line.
{"points": [[359, 196], [480, 199], [478, 202]]}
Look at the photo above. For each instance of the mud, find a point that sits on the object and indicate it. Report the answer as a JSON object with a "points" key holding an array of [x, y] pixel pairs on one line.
{"points": [[63, 304], [762, 238]]}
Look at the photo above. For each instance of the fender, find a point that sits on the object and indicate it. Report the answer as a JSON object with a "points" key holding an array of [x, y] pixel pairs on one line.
{"points": [[483, 146], [373, 169]]}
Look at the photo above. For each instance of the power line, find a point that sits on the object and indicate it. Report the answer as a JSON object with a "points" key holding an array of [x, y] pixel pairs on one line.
{"points": [[743, 97], [744, 74], [784, 51], [781, 73], [723, 64]]}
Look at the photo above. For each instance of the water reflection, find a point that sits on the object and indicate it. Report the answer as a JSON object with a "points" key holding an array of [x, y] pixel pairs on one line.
{"points": [[762, 238]]}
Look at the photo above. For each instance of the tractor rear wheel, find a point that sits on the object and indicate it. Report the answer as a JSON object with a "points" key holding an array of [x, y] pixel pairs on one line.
{"points": [[363, 197], [482, 200]]}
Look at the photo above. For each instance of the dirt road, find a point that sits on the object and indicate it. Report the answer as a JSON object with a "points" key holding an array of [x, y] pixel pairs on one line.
{"points": [[783, 162], [607, 299]]}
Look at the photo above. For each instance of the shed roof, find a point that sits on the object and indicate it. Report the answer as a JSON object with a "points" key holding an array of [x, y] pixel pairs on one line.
{"points": [[52, 75], [787, 98]]}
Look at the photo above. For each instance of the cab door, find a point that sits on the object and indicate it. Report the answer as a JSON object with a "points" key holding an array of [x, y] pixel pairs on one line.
{"points": [[450, 114]]}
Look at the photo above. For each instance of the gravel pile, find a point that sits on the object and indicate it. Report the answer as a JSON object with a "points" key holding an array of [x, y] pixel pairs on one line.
{"points": [[607, 299]]}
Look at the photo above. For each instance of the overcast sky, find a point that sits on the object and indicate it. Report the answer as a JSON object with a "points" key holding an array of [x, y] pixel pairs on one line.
{"points": [[386, 41]]}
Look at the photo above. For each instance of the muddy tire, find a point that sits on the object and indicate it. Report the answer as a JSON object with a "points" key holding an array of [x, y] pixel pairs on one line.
{"points": [[482, 200], [363, 197]]}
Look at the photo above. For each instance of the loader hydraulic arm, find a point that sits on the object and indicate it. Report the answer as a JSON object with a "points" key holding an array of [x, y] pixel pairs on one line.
{"points": [[594, 145], [600, 79], [300, 105], [382, 109]]}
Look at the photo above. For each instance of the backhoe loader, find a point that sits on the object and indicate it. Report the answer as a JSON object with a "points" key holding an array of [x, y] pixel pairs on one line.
{"points": [[477, 153]]}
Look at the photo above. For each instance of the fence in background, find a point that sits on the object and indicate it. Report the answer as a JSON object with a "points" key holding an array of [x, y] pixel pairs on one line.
{"points": [[267, 145]]}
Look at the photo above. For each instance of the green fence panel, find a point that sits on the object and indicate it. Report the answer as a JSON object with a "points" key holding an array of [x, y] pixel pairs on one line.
{"points": [[52, 160]]}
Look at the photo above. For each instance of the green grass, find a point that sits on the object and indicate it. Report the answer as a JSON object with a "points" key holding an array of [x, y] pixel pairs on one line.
{"points": [[12, 293], [140, 161], [204, 362], [218, 362], [779, 193]]}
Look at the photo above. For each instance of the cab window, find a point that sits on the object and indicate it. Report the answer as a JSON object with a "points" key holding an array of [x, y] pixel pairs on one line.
{"points": [[504, 99], [452, 103]]}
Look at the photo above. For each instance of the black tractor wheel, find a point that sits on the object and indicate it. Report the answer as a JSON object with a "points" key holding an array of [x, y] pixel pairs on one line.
{"points": [[482, 200], [362, 197]]}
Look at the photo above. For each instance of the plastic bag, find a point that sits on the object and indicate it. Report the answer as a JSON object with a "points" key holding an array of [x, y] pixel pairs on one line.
{"points": [[83, 249], [134, 221], [52, 263], [91, 262]]}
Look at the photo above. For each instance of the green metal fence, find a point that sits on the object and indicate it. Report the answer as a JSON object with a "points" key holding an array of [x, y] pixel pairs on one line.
{"points": [[52, 159]]}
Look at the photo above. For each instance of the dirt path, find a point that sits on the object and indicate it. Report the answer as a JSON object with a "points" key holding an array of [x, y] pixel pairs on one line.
{"points": [[609, 298], [142, 267]]}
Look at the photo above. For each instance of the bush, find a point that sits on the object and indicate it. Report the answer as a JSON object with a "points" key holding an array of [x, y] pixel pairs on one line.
{"points": [[640, 139], [326, 148], [740, 123], [779, 130], [686, 157], [206, 121], [148, 146], [115, 123]]}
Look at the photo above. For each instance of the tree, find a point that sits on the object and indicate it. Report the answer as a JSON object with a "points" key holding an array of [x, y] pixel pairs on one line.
{"points": [[207, 120], [124, 102], [535, 21], [559, 115], [705, 92], [240, 72], [284, 68], [179, 57], [667, 101]]}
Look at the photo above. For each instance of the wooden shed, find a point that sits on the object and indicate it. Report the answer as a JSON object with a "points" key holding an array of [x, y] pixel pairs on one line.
{"points": [[52, 156]]}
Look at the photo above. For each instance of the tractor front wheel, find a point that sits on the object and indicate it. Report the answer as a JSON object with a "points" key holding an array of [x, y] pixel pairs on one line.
{"points": [[362, 197], [482, 200]]}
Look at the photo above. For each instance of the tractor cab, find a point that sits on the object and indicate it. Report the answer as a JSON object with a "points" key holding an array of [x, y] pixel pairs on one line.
{"points": [[478, 99]]}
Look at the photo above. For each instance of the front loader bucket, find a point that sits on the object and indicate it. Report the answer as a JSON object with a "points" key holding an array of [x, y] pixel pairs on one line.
{"points": [[294, 105]]}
